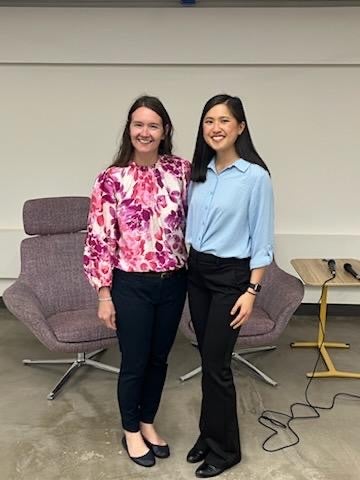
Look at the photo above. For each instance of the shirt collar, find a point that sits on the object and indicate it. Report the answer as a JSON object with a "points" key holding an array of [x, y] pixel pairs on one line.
{"points": [[240, 164]]}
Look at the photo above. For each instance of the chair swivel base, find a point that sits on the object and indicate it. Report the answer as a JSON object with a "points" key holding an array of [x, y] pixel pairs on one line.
{"points": [[75, 363], [238, 357]]}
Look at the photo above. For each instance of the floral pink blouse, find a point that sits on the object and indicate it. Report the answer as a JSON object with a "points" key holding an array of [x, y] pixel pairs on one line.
{"points": [[137, 219]]}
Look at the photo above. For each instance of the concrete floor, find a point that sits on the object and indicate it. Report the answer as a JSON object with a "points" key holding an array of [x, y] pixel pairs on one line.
{"points": [[77, 436]]}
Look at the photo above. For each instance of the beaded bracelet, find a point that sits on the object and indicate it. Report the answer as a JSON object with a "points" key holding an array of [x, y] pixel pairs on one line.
{"points": [[105, 299]]}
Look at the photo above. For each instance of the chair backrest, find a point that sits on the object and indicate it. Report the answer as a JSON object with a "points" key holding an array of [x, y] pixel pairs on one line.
{"points": [[52, 258]]}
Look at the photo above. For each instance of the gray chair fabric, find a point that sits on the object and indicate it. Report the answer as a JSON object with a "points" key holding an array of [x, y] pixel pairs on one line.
{"points": [[280, 296], [52, 296]]}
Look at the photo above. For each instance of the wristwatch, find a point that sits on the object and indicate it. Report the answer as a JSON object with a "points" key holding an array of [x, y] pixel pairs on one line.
{"points": [[255, 286]]}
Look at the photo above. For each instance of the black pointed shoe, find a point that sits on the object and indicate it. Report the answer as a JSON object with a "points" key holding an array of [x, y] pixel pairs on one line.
{"points": [[147, 460], [196, 455], [160, 451], [207, 471]]}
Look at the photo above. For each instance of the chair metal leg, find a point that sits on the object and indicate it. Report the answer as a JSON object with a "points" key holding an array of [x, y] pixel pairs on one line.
{"points": [[63, 380], [96, 352], [263, 375], [191, 374], [64, 361], [244, 351], [239, 358], [81, 360], [102, 366]]}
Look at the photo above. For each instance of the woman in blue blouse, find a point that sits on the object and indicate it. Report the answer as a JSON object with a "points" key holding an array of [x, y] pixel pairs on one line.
{"points": [[230, 232]]}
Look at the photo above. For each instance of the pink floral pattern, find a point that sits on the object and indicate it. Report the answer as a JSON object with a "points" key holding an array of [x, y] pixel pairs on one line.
{"points": [[137, 219]]}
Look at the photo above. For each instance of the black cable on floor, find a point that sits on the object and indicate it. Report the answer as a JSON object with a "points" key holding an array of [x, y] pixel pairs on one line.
{"points": [[268, 420]]}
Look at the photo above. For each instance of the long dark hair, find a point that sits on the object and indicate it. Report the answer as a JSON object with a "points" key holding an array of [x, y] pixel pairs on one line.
{"points": [[126, 149], [244, 146]]}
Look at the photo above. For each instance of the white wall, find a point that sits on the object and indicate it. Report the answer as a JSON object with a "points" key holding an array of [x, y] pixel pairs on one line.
{"points": [[68, 76]]}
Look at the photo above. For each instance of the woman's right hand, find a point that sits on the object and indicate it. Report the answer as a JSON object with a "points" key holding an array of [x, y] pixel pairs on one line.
{"points": [[106, 313]]}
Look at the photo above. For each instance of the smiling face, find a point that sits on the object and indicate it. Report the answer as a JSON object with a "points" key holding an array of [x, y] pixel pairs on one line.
{"points": [[221, 129], [146, 130]]}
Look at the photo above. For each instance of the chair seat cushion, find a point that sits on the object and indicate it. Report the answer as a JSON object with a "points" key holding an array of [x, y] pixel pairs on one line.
{"points": [[259, 324], [79, 326]]}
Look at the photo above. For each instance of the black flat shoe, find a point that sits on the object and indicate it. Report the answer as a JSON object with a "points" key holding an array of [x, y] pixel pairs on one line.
{"points": [[160, 451], [196, 455], [207, 471], [147, 460]]}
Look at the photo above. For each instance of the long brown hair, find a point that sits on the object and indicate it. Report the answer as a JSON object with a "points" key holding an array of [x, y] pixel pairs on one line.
{"points": [[126, 149]]}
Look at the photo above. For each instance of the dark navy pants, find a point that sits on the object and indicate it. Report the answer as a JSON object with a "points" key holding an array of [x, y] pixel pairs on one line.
{"points": [[148, 312]]}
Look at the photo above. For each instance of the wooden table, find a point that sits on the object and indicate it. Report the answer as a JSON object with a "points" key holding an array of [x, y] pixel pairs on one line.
{"points": [[314, 272]]}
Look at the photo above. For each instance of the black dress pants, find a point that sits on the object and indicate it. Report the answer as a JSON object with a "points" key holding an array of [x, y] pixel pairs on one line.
{"points": [[214, 284], [148, 311]]}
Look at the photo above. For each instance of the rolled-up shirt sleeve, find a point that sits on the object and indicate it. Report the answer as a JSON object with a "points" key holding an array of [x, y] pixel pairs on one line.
{"points": [[261, 220], [102, 232]]}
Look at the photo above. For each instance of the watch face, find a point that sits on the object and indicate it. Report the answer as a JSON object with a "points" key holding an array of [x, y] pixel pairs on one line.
{"points": [[255, 286]]}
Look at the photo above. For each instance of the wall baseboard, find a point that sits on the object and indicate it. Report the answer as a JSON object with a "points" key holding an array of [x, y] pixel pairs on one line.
{"points": [[334, 309]]}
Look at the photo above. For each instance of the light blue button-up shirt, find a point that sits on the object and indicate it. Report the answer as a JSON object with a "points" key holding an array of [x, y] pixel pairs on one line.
{"points": [[231, 214]]}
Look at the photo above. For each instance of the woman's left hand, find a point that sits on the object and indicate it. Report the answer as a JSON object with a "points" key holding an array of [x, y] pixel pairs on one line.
{"points": [[242, 309]]}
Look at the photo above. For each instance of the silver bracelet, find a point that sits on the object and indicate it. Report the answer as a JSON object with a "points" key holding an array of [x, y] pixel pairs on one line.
{"points": [[104, 299]]}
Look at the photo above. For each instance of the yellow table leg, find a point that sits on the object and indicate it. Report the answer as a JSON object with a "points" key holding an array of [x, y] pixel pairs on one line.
{"points": [[320, 344], [335, 373], [315, 344], [322, 316]]}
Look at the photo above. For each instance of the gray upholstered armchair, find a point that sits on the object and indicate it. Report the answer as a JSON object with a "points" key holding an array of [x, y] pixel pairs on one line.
{"points": [[52, 296], [275, 304]]}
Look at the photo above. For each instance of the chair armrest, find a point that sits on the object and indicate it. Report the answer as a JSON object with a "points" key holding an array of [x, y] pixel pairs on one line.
{"points": [[22, 302], [281, 296]]}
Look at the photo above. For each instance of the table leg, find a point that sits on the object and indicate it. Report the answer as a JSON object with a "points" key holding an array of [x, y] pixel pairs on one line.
{"points": [[322, 345]]}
